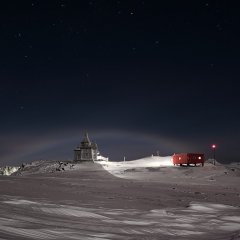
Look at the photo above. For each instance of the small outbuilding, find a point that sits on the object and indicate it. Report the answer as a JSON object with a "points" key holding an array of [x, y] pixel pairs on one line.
{"points": [[188, 159]]}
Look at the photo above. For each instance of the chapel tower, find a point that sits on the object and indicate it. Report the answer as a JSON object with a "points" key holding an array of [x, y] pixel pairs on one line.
{"points": [[87, 151]]}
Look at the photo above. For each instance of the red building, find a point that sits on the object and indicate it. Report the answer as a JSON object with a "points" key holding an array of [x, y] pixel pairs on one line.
{"points": [[188, 158]]}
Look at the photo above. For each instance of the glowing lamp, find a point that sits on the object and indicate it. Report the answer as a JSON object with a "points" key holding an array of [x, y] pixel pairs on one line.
{"points": [[213, 146]]}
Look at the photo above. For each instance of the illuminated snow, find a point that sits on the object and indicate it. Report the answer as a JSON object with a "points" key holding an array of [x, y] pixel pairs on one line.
{"points": [[116, 168]]}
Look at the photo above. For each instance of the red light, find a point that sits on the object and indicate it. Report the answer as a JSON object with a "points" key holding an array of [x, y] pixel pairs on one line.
{"points": [[213, 146]]}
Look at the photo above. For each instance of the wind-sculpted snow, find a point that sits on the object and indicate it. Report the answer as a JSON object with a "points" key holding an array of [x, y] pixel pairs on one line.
{"points": [[24, 219]]}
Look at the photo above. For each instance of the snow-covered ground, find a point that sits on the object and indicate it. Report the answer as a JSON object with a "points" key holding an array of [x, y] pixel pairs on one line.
{"points": [[156, 168], [44, 220], [117, 168], [150, 199]]}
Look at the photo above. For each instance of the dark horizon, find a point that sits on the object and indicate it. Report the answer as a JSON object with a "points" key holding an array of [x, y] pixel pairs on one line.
{"points": [[115, 144], [139, 76]]}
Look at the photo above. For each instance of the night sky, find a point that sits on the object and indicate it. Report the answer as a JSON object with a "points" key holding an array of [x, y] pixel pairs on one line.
{"points": [[139, 76]]}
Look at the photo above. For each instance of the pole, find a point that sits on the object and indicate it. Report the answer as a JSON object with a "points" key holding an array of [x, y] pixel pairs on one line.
{"points": [[214, 154], [214, 160]]}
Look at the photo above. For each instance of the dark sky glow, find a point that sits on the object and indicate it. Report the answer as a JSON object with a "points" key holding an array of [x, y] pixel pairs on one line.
{"points": [[140, 76]]}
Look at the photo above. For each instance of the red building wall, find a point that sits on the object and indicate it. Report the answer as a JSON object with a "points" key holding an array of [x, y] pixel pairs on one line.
{"points": [[188, 158]]}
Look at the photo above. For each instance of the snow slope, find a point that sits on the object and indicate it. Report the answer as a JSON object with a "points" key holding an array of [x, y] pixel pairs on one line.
{"points": [[117, 168]]}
